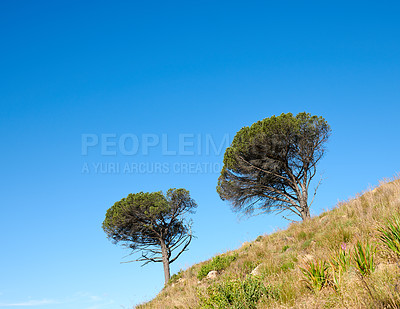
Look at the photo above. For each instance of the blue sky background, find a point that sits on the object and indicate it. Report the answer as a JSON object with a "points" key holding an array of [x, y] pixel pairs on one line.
{"points": [[69, 68]]}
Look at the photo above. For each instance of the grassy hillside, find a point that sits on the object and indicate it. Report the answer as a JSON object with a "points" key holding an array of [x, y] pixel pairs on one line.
{"points": [[309, 265]]}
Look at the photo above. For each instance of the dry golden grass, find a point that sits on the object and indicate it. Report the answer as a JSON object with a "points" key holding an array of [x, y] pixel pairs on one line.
{"points": [[282, 253]]}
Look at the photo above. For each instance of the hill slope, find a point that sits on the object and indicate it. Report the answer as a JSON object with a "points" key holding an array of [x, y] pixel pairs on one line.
{"points": [[279, 282]]}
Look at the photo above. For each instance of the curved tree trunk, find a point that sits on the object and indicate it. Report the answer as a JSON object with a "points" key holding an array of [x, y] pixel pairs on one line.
{"points": [[165, 260]]}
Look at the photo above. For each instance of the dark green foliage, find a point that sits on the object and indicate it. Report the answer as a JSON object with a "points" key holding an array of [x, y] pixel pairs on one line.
{"points": [[218, 263], [153, 224], [269, 166], [236, 294]]}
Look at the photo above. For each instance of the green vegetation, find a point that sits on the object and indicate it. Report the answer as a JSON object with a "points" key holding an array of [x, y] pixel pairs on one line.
{"points": [[341, 260], [236, 294], [390, 235], [316, 275], [175, 277], [345, 258], [218, 263], [364, 258]]}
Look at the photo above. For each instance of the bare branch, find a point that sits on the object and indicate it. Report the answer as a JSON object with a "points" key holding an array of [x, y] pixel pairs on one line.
{"points": [[315, 190]]}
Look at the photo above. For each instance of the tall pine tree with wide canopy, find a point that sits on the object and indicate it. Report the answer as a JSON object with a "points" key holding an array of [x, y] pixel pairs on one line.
{"points": [[269, 165]]}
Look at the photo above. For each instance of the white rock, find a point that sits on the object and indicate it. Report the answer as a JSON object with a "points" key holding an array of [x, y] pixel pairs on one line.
{"points": [[256, 271], [212, 274]]}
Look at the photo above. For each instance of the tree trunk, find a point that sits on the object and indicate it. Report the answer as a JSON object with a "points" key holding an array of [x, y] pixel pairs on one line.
{"points": [[305, 210], [305, 214], [165, 260]]}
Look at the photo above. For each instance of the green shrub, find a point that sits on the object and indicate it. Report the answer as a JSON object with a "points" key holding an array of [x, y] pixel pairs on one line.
{"points": [[306, 244], [285, 247], [390, 235], [236, 294], [217, 263], [364, 258], [286, 266], [175, 277], [316, 275], [302, 235]]}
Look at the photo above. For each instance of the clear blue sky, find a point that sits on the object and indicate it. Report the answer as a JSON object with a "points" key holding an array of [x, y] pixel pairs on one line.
{"points": [[168, 68]]}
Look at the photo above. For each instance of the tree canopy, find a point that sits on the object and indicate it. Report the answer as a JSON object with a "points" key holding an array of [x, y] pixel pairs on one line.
{"points": [[269, 165], [153, 224]]}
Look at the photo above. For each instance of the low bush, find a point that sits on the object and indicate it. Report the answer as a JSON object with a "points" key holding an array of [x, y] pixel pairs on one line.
{"points": [[218, 263], [236, 294], [287, 265], [175, 277]]}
